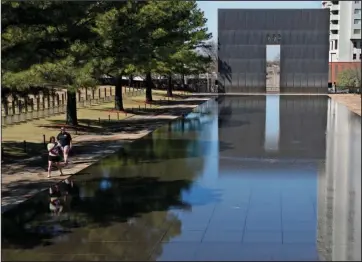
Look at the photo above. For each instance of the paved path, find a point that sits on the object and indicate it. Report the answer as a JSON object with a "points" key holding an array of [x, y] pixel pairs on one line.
{"points": [[21, 182], [352, 101]]}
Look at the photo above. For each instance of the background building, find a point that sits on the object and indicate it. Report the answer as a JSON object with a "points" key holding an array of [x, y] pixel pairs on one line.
{"points": [[345, 36]]}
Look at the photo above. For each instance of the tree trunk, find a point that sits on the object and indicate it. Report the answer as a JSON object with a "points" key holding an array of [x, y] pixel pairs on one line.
{"points": [[169, 87], [183, 80], [130, 79], [13, 107], [6, 105], [149, 86], [32, 104], [26, 104], [131, 82], [20, 106], [118, 99], [71, 108], [38, 103], [48, 100]]}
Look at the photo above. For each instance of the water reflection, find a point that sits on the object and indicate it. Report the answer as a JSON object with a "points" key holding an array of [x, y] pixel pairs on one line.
{"points": [[303, 121], [339, 188], [208, 187], [248, 123], [272, 123]]}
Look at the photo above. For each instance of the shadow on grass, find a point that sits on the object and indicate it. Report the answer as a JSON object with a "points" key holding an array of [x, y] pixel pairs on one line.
{"points": [[14, 151], [109, 126], [17, 150], [125, 126]]}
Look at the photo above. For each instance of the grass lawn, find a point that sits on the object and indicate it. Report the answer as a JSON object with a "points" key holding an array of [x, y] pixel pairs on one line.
{"points": [[33, 132]]}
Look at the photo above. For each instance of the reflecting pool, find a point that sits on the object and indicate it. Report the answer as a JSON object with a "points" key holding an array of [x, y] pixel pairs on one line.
{"points": [[240, 178]]}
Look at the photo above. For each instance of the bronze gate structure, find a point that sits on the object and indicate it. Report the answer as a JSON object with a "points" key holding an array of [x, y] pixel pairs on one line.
{"points": [[303, 36]]}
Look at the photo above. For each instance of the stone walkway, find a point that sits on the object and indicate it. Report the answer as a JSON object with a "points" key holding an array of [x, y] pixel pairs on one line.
{"points": [[22, 181], [352, 101]]}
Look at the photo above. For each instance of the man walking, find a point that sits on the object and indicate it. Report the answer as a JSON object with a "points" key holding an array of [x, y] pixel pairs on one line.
{"points": [[65, 140]]}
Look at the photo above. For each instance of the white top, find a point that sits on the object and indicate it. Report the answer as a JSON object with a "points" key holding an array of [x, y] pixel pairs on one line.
{"points": [[52, 149]]}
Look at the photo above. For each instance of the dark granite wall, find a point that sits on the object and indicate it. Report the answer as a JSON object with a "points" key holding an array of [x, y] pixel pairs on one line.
{"points": [[303, 35]]}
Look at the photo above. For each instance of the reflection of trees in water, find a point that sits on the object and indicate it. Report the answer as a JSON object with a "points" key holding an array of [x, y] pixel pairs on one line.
{"points": [[144, 181], [122, 241], [132, 210]]}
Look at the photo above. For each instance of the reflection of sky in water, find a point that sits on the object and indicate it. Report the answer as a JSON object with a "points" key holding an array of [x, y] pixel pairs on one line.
{"points": [[105, 184], [106, 172], [272, 123], [199, 195], [210, 134]]}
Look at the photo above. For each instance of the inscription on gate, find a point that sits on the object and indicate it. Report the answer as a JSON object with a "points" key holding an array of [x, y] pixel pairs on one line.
{"points": [[273, 39]]}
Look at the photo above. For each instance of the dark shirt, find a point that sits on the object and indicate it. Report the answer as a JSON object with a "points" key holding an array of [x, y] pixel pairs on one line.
{"points": [[64, 139], [55, 193], [67, 188], [71, 189]]}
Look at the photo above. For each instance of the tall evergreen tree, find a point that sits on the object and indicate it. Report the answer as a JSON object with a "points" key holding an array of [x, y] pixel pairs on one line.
{"points": [[166, 27], [116, 48], [48, 41]]}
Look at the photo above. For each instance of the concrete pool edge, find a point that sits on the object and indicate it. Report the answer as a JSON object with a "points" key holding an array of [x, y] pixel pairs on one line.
{"points": [[15, 201], [352, 101]]}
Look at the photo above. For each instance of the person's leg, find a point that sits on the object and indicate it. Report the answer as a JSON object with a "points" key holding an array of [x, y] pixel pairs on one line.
{"points": [[49, 167], [60, 168], [59, 209], [65, 153], [52, 208]]}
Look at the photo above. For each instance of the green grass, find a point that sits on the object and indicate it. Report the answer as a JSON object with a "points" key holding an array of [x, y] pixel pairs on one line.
{"points": [[32, 132]]}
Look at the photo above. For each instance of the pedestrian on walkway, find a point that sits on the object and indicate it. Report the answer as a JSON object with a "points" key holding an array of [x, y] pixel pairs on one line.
{"points": [[65, 140], [53, 156], [334, 87]]}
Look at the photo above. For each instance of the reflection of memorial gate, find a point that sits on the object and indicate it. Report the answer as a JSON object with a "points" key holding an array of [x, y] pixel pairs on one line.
{"points": [[304, 39], [244, 123]]}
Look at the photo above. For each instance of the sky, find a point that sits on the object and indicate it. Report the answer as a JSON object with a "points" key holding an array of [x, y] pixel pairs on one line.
{"points": [[210, 8]]}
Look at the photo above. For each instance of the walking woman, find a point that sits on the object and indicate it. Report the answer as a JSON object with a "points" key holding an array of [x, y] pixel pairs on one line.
{"points": [[53, 156]]}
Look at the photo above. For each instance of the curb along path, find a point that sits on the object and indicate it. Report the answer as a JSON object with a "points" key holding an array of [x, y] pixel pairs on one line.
{"points": [[19, 182]]}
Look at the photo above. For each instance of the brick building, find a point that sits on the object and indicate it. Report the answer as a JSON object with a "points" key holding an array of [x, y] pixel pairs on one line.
{"points": [[336, 67]]}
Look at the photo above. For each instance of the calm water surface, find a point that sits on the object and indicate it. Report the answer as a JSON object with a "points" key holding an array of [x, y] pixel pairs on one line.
{"points": [[241, 178]]}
